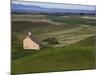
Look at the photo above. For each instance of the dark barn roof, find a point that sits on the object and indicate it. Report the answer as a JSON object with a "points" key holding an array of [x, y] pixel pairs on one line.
{"points": [[35, 40]]}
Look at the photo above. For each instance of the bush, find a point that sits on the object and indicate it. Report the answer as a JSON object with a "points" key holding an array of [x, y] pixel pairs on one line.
{"points": [[51, 40]]}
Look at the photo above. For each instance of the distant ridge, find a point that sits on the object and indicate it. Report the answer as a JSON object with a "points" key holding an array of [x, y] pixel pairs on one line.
{"points": [[33, 8]]}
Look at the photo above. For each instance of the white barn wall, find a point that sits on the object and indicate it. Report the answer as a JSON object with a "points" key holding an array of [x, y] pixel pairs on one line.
{"points": [[28, 43]]}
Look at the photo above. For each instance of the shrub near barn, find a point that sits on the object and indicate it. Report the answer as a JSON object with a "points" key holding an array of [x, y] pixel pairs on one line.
{"points": [[51, 40]]}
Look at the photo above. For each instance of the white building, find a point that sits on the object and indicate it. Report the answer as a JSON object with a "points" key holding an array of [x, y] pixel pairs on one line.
{"points": [[31, 42]]}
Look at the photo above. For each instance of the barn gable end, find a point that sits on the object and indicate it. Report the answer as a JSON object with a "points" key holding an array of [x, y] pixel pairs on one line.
{"points": [[31, 42]]}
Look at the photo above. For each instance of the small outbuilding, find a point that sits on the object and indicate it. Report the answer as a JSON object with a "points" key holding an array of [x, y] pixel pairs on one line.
{"points": [[31, 42]]}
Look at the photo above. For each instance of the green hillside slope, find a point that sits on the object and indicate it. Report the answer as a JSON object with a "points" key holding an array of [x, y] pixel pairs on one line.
{"points": [[75, 50], [78, 56]]}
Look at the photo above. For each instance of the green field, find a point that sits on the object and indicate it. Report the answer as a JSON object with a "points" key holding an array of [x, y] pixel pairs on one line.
{"points": [[75, 51]]}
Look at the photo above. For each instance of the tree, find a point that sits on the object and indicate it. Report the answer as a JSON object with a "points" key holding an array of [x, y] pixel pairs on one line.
{"points": [[51, 40]]}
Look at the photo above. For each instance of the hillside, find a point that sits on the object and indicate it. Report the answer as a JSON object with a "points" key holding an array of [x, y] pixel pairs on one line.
{"points": [[64, 28], [75, 51], [73, 57]]}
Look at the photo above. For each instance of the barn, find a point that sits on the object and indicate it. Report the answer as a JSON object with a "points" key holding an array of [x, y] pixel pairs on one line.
{"points": [[30, 42]]}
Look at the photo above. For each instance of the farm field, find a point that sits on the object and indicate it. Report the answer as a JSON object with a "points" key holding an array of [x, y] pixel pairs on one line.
{"points": [[75, 51]]}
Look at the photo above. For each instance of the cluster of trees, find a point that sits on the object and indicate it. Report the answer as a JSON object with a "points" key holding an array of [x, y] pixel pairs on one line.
{"points": [[51, 40]]}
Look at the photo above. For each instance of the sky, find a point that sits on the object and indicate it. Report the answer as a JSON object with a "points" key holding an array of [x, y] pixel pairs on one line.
{"points": [[53, 5], [86, 2]]}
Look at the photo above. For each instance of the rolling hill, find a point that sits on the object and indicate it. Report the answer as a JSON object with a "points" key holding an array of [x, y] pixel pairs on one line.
{"points": [[75, 51], [78, 56]]}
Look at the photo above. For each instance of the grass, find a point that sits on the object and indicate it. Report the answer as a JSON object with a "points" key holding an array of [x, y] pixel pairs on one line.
{"points": [[72, 20], [76, 56], [73, 57]]}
